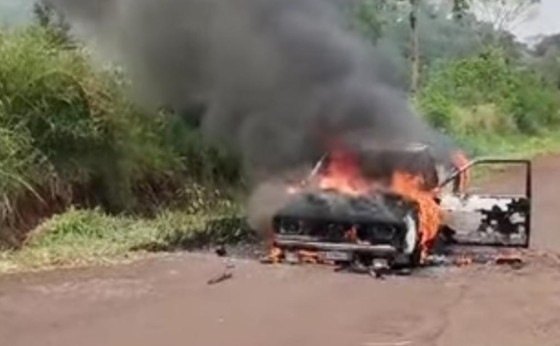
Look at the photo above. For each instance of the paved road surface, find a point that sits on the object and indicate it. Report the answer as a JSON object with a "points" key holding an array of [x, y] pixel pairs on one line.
{"points": [[166, 301]]}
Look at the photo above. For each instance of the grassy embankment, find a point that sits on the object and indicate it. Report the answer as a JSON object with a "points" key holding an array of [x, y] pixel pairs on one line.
{"points": [[70, 138], [124, 183]]}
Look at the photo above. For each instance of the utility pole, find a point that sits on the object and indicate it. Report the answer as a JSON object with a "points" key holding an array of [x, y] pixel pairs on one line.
{"points": [[414, 46]]}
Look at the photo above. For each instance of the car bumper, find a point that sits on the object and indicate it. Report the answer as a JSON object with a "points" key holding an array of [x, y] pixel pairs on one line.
{"points": [[313, 245]]}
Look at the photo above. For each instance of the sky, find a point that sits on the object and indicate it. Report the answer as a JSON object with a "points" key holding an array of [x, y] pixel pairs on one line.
{"points": [[14, 11], [546, 22]]}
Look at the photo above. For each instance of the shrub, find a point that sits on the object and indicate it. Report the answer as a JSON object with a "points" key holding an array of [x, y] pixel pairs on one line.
{"points": [[519, 101], [90, 236], [69, 135]]}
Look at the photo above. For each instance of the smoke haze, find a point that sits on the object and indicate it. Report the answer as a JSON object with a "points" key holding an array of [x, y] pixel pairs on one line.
{"points": [[280, 79]]}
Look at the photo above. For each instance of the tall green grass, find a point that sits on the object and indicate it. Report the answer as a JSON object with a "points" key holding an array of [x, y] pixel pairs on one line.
{"points": [[69, 135], [90, 236]]}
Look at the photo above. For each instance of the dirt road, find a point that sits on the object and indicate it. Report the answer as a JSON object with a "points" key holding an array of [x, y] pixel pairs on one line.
{"points": [[166, 301]]}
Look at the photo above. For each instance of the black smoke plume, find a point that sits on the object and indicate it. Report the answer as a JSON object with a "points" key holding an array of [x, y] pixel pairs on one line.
{"points": [[279, 79]]}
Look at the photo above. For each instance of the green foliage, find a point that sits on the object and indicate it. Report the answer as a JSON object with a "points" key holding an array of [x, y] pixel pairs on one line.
{"points": [[206, 163], [48, 18], [488, 93], [67, 131], [75, 224], [82, 237], [545, 59], [368, 21], [372, 18], [69, 135], [78, 237], [76, 120], [386, 24]]}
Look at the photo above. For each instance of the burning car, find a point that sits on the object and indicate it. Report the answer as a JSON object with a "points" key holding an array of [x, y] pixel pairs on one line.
{"points": [[384, 208]]}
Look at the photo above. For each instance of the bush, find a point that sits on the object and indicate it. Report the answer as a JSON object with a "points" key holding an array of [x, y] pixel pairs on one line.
{"points": [[533, 104], [90, 236], [81, 237], [69, 135], [511, 98], [71, 124]]}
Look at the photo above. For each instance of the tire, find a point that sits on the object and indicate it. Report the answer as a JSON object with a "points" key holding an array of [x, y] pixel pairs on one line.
{"points": [[413, 251]]}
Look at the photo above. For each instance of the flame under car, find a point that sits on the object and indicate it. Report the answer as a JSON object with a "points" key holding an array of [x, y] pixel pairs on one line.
{"points": [[383, 208]]}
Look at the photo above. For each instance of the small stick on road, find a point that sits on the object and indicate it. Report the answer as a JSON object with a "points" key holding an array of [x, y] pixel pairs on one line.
{"points": [[401, 343], [221, 278], [226, 275]]}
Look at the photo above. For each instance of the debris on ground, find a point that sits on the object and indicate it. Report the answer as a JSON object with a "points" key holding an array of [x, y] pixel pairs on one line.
{"points": [[514, 261], [221, 251], [220, 278], [228, 271]]}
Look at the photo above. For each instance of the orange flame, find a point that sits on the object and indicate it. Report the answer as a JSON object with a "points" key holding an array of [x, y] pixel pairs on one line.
{"points": [[274, 255], [463, 260], [429, 212], [344, 175]]}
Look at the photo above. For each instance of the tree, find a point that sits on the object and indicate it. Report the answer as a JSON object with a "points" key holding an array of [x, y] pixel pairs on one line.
{"points": [[546, 59], [415, 46], [374, 16], [504, 15], [415, 34], [370, 16], [423, 31], [459, 7], [547, 44], [48, 17]]}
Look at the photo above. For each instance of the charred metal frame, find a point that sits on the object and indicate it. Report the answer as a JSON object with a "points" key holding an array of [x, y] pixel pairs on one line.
{"points": [[311, 242], [378, 250], [528, 192], [389, 252]]}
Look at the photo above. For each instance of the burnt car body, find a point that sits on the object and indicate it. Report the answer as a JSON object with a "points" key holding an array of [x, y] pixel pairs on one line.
{"points": [[382, 229]]}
